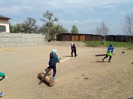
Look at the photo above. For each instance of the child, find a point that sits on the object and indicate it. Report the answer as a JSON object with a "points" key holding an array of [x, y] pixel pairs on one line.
{"points": [[109, 53], [73, 49], [3, 76], [52, 63]]}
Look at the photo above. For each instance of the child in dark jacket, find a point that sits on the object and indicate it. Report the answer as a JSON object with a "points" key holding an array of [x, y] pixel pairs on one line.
{"points": [[52, 63], [73, 50]]}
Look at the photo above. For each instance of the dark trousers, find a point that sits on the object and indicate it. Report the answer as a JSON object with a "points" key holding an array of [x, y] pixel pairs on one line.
{"points": [[73, 51], [109, 58], [54, 70]]}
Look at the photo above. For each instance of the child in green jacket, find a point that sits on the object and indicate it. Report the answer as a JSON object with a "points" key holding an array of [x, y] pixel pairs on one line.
{"points": [[3, 76]]}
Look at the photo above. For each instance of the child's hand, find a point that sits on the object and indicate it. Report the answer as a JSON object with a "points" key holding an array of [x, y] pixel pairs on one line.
{"points": [[59, 60]]}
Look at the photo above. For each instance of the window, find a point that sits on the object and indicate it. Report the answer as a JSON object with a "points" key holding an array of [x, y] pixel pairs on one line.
{"points": [[2, 28]]}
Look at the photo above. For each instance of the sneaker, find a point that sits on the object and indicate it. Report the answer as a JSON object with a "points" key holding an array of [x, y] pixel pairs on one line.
{"points": [[53, 78], [1, 94]]}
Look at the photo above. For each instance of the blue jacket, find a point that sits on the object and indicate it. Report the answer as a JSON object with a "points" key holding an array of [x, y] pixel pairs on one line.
{"points": [[110, 49], [53, 59]]}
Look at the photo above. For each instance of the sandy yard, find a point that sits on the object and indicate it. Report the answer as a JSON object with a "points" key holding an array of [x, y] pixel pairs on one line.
{"points": [[81, 77]]}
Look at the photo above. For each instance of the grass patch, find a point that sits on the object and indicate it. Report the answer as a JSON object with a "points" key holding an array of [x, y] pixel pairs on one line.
{"points": [[115, 44]]}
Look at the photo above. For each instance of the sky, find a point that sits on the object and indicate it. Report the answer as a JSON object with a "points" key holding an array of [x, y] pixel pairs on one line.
{"points": [[85, 14]]}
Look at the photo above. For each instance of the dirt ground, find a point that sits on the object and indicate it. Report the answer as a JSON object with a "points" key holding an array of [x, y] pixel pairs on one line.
{"points": [[81, 77]]}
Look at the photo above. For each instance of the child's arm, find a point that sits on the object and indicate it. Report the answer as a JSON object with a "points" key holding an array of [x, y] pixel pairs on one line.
{"points": [[58, 59], [112, 50]]}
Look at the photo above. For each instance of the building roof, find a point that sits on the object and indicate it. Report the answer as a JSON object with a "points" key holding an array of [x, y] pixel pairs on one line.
{"points": [[79, 34], [3, 17]]}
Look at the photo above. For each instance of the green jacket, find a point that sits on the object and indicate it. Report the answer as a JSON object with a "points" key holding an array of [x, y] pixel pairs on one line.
{"points": [[2, 74]]}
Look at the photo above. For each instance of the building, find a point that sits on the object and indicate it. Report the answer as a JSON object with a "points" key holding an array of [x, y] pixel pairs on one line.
{"points": [[93, 37], [63, 37], [70, 37], [120, 38], [78, 37], [110, 38], [4, 24]]}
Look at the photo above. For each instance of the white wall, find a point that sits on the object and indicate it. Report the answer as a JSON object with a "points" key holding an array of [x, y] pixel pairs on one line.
{"points": [[19, 39], [5, 22]]}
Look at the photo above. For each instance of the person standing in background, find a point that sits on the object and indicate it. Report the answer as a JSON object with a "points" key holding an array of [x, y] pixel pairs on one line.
{"points": [[73, 49]]}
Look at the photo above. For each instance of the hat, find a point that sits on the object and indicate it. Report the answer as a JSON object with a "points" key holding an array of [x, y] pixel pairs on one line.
{"points": [[54, 50]]}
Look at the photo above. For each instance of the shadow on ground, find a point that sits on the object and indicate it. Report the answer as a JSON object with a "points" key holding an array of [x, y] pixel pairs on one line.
{"points": [[67, 56]]}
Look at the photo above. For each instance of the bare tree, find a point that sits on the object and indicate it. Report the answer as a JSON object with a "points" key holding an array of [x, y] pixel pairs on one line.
{"points": [[97, 30], [128, 25], [103, 30]]}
